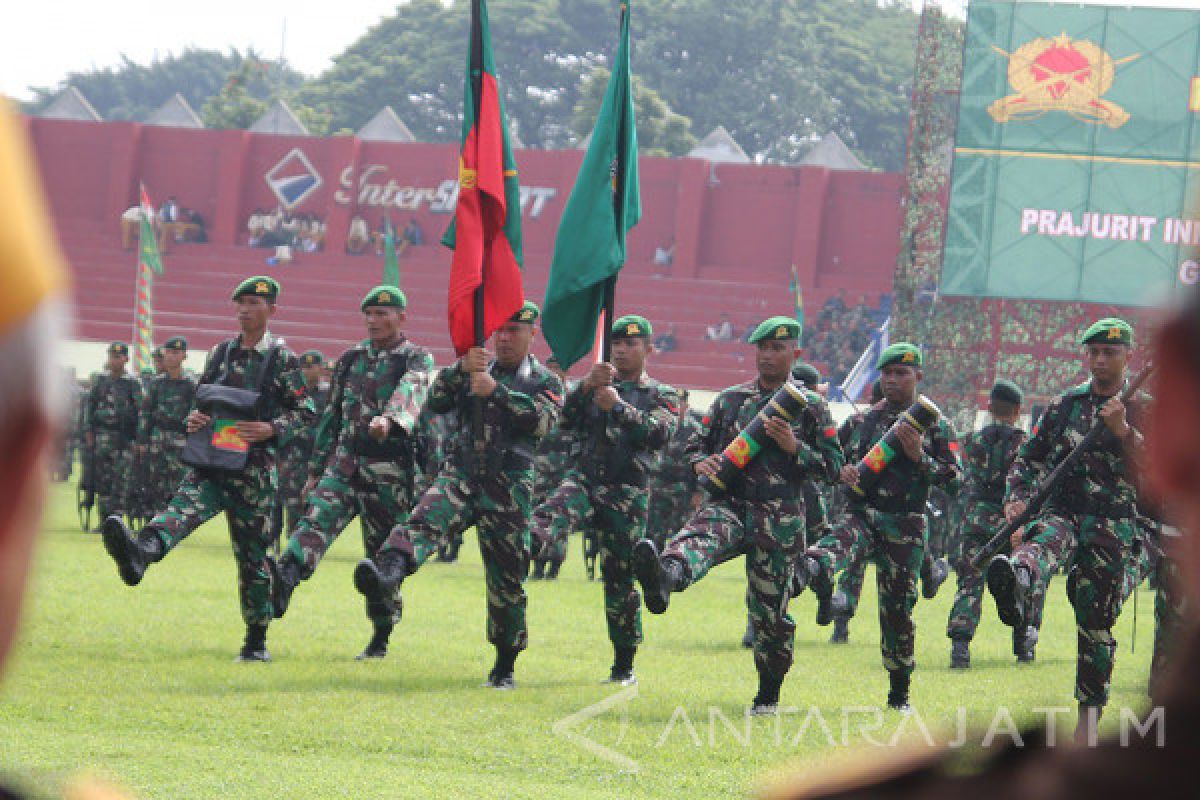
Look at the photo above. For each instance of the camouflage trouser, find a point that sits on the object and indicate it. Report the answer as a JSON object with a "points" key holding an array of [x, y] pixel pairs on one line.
{"points": [[771, 536], [670, 506], [248, 500], [499, 508], [111, 468], [981, 521], [165, 470], [376, 493], [545, 482], [896, 544], [850, 581], [618, 516], [1102, 546], [293, 474]]}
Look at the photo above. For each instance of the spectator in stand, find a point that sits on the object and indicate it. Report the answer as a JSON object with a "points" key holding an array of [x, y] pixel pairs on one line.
{"points": [[359, 236], [197, 230], [413, 233], [385, 227], [131, 225], [256, 226], [722, 331], [665, 256], [666, 342], [169, 213]]}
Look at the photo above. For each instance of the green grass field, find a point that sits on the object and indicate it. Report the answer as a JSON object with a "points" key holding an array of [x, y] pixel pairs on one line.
{"points": [[140, 684]]}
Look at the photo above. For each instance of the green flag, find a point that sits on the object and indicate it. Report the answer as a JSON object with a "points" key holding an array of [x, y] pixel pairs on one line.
{"points": [[391, 262], [604, 205]]}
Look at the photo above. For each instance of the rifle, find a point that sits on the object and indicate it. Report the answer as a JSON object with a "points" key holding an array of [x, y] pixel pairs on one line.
{"points": [[85, 492], [1056, 477]]}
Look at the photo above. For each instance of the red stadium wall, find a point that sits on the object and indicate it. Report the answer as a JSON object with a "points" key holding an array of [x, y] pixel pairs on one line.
{"points": [[738, 229]]}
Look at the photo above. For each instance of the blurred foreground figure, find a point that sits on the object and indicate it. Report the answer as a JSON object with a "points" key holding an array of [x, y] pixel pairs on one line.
{"points": [[31, 403], [1143, 764]]}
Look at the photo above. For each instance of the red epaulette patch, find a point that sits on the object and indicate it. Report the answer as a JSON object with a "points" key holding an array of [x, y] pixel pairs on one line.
{"points": [[830, 432]]}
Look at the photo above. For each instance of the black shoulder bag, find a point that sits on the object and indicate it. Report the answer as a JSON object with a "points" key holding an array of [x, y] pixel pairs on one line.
{"points": [[218, 445]]}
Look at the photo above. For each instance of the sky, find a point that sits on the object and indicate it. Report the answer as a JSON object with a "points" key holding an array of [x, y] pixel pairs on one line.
{"points": [[42, 40]]}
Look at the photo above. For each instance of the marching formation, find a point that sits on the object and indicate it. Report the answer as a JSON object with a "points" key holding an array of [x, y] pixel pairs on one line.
{"points": [[508, 446]]}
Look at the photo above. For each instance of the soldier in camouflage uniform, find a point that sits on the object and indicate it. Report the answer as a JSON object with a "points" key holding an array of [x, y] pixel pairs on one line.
{"points": [[888, 522], [110, 427], [248, 497], [294, 452], [1094, 509], [622, 418], [364, 463], [987, 457], [761, 516], [553, 459], [69, 442], [161, 426], [673, 488], [487, 481]]}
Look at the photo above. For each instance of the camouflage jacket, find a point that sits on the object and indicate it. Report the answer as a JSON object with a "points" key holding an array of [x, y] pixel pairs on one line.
{"points": [[904, 485], [1104, 481], [285, 394], [772, 473], [112, 405], [673, 467], [618, 445], [522, 409], [988, 455], [368, 383], [165, 407], [299, 443], [556, 450]]}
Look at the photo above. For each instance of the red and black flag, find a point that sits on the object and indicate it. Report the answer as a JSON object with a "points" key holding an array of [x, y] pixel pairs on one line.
{"points": [[485, 277]]}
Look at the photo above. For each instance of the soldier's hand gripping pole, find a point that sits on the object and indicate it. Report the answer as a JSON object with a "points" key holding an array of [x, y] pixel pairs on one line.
{"points": [[1056, 477]]}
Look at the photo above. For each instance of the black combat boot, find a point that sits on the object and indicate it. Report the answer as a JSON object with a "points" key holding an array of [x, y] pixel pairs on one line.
{"points": [[622, 668], [657, 576], [934, 572], [841, 628], [377, 579], [821, 583], [285, 576], [960, 653], [501, 676], [377, 647], [133, 553], [539, 570], [254, 646], [766, 702], [1009, 584], [897, 698], [1025, 643], [799, 578], [552, 569], [748, 636]]}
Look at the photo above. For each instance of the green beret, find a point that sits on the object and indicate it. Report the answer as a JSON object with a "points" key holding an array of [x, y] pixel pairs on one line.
{"points": [[527, 313], [385, 297], [176, 343], [807, 374], [258, 286], [1008, 392], [312, 358], [631, 326], [1109, 330], [900, 353], [776, 328], [118, 349]]}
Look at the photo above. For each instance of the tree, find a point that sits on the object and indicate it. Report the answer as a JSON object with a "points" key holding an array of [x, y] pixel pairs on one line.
{"points": [[132, 91], [661, 132]]}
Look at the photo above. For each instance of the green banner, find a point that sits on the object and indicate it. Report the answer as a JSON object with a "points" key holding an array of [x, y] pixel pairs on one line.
{"points": [[1076, 154]]}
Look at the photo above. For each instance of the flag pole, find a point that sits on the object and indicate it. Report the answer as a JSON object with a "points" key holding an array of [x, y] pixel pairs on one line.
{"points": [[476, 96], [610, 283]]}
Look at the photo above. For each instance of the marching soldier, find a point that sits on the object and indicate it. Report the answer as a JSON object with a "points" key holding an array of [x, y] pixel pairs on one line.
{"points": [[162, 425], [553, 459], [888, 524], [987, 457], [110, 426], [622, 417], [673, 488], [255, 358], [364, 464], [295, 451], [487, 481], [1094, 509], [762, 515]]}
